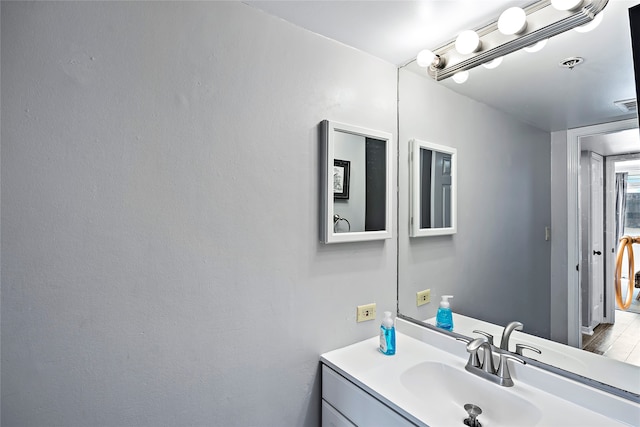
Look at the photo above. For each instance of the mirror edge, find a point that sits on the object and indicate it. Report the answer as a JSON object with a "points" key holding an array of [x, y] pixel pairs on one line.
{"points": [[327, 236]]}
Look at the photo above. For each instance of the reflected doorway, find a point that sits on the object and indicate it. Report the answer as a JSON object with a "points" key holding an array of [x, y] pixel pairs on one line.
{"points": [[616, 333]]}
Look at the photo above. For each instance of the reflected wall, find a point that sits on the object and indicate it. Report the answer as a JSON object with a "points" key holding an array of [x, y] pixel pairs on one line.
{"points": [[497, 266]]}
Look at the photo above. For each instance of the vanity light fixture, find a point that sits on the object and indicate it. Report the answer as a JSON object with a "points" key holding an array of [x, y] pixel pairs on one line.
{"points": [[461, 77], [536, 47], [467, 42], [591, 25], [493, 64], [512, 21], [426, 58], [566, 4], [542, 19]]}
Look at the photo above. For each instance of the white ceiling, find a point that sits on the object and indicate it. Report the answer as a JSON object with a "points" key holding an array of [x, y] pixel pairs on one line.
{"points": [[610, 144], [531, 87]]}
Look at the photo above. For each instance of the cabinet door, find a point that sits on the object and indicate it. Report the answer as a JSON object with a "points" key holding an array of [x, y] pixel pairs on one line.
{"points": [[333, 418]]}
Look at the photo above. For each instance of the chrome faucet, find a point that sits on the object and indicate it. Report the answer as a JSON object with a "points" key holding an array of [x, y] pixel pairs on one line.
{"points": [[504, 341], [503, 374], [486, 369], [487, 363]]}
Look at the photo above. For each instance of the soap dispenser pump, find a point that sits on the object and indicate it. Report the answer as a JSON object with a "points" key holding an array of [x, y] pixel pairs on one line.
{"points": [[444, 318]]}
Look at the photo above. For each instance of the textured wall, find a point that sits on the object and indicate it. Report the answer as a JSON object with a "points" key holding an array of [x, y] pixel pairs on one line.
{"points": [[160, 253], [498, 264]]}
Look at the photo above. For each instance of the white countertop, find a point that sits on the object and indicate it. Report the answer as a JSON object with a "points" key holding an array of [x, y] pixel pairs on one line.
{"points": [[381, 375]]}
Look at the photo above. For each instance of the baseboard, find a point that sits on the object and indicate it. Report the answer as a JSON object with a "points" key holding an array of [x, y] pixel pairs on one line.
{"points": [[586, 330]]}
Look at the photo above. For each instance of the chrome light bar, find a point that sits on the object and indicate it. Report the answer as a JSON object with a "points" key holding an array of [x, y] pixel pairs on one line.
{"points": [[543, 21]]}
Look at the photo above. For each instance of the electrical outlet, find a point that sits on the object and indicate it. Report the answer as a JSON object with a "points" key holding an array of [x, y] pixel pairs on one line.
{"points": [[366, 312], [423, 297]]}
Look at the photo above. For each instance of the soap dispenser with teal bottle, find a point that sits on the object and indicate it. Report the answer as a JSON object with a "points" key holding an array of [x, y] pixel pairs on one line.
{"points": [[444, 318], [387, 335]]}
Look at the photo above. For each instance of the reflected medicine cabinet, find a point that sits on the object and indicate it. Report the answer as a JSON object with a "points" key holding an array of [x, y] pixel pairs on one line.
{"points": [[433, 189], [356, 174]]}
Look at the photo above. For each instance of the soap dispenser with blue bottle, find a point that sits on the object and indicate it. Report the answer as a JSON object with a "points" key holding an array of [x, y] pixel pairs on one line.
{"points": [[444, 318], [387, 335]]}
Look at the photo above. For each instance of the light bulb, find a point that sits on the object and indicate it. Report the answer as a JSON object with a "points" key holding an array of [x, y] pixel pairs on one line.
{"points": [[591, 25], [512, 21], [493, 64], [566, 4], [425, 58], [467, 42], [460, 77], [536, 46]]}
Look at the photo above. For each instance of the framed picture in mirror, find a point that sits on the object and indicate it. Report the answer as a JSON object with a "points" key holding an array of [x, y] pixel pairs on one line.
{"points": [[341, 169]]}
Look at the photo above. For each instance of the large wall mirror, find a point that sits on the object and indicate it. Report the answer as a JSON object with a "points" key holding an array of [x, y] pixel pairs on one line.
{"points": [[433, 189], [356, 183], [513, 170]]}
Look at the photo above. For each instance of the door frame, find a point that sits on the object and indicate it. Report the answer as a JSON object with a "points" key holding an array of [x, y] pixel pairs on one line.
{"points": [[610, 201], [574, 239], [596, 219]]}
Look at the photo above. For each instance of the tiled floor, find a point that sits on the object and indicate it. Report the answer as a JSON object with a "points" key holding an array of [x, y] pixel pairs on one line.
{"points": [[619, 341]]}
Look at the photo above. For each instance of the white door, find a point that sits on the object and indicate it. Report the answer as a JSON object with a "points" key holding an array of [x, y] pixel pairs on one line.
{"points": [[441, 205], [596, 281]]}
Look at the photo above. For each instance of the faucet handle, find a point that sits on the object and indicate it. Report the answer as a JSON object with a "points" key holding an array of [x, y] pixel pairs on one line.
{"points": [[486, 334], [476, 343], [503, 368], [521, 347], [474, 358]]}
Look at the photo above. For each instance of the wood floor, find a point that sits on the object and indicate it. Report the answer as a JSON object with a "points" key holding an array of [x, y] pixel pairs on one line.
{"points": [[620, 341]]}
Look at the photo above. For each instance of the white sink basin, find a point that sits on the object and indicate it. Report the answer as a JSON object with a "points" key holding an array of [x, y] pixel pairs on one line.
{"points": [[500, 406]]}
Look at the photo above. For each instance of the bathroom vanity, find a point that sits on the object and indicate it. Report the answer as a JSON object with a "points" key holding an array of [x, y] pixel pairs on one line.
{"points": [[426, 384]]}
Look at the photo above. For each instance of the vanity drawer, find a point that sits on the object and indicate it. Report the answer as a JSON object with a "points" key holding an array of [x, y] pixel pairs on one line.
{"points": [[332, 418], [355, 404]]}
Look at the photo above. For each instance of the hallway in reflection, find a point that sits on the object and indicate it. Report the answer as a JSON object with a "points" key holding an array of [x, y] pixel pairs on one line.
{"points": [[619, 341]]}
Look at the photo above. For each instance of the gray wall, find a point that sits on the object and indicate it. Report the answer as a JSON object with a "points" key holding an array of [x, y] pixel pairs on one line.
{"points": [[498, 264], [160, 253]]}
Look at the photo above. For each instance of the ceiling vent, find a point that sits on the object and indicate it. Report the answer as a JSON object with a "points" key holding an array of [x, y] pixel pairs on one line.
{"points": [[571, 62], [627, 105]]}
